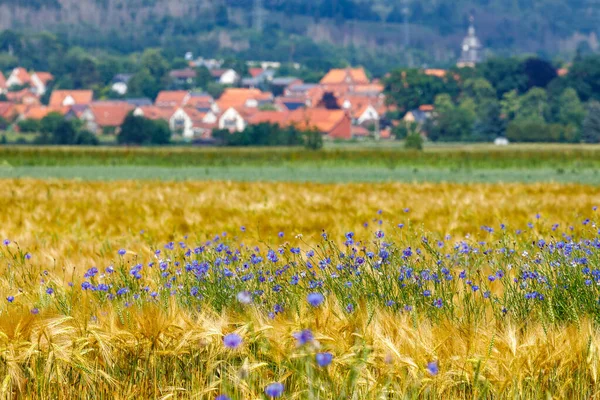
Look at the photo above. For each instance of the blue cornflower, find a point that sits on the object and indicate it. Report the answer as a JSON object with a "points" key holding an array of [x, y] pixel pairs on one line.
{"points": [[280, 234], [35, 311], [324, 359], [432, 368], [122, 252], [10, 299], [222, 397], [274, 389], [86, 285], [349, 308], [427, 293], [315, 299], [232, 340], [122, 291], [91, 272], [303, 337], [379, 234], [27, 256], [439, 303], [6, 242], [49, 291]]}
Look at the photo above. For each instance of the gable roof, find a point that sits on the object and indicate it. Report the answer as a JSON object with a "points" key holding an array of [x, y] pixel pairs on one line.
{"points": [[172, 98], [7, 109], [272, 117], [237, 97], [440, 73], [320, 118], [24, 96], [185, 73], [44, 77], [2, 81], [345, 76], [110, 113], [254, 72], [39, 112], [156, 112], [21, 74], [79, 97]]}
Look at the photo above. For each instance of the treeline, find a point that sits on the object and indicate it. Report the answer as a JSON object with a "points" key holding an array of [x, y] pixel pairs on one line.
{"points": [[524, 100], [268, 134]]}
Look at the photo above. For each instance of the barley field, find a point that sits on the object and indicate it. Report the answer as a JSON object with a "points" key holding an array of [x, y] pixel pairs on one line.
{"points": [[225, 290]]}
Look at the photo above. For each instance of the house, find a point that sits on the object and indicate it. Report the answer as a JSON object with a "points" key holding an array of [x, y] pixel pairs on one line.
{"points": [[39, 82], [8, 110], [172, 98], [38, 112], [18, 77], [299, 89], [241, 97], [271, 117], [290, 103], [280, 84], [120, 83], [335, 124], [233, 120], [105, 116], [70, 97], [345, 77], [259, 77], [24, 96], [185, 121], [363, 109], [225, 76], [182, 77], [139, 102], [3, 87], [202, 102], [420, 115]]}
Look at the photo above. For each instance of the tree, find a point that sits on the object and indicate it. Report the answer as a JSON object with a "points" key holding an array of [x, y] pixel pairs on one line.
{"points": [[591, 124], [533, 105], [313, 139], [414, 141], [584, 77], [133, 130], [408, 89], [203, 77], [479, 89], [505, 75], [451, 123], [64, 133], [509, 105], [29, 125], [140, 130], [570, 110], [143, 84], [539, 72], [49, 124], [489, 124]]}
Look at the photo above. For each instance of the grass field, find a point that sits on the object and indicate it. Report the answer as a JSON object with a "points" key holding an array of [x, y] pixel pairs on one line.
{"points": [[337, 163], [399, 317]]}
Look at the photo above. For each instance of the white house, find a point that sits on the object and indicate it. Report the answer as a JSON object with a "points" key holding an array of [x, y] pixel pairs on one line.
{"points": [[225, 76], [39, 82], [369, 113], [231, 119], [18, 77]]}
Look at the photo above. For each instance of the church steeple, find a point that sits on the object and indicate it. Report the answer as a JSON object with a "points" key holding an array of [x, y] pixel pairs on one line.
{"points": [[472, 49]]}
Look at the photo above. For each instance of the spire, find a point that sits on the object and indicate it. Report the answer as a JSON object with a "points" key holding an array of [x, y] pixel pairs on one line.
{"points": [[471, 51]]}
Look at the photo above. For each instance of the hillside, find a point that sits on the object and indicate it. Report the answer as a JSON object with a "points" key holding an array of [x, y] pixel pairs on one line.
{"points": [[547, 27]]}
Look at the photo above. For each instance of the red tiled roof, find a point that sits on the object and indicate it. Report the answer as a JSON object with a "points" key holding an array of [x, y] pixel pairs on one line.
{"points": [[7, 110], [22, 75], [79, 97], [172, 98], [321, 118], [39, 112], [272, 117], [110, 113], [345, 76], [155, 112], [23, 96], [237, 97], [562, 71], [44, 77], [2, 81], [426, 107], [254, 72]]}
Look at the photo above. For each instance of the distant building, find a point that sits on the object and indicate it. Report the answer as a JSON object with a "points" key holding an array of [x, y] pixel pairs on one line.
{"points": [[472, 49], [3, 87], [39, 82], [70, 97], [225, 76], [120, 83]]}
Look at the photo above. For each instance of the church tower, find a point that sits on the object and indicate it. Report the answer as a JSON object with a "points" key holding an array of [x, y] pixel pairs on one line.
{"points": [[472, 49]]}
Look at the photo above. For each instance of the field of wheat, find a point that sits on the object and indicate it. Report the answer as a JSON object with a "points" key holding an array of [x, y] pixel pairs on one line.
{"points": [[227, 290]]}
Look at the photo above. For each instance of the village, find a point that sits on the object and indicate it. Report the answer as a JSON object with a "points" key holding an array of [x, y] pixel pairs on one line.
{"points": [[345, 104]]}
